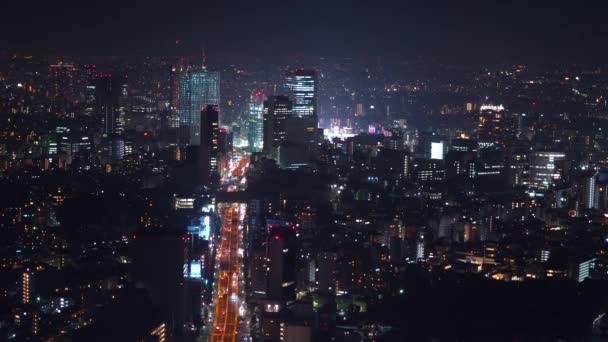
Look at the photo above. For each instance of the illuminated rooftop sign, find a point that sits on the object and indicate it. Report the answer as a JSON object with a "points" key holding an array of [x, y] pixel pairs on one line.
{"points": [[497, 108]]}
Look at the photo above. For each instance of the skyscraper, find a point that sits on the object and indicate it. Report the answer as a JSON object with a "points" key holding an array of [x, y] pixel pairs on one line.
{"points": [[209, 145], [26, 286], [491, 127], [299, 143], [590, 191], [302, 87], [255, 135], [276, 111], [546, 168], [197, 89], [111, 95], [281, 255]]}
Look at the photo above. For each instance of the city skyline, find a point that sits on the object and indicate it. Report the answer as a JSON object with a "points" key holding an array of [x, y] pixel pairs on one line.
{"points": [[315, 171]]}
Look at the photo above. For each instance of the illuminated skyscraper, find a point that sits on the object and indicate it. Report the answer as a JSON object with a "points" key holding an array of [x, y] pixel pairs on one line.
{"points": [[209, 145], [26, 286], [276, 111], [111, 95], [491, 127], [546, 167], [590, 191], [197, 89], [255, 135], [63, 86], [302, 87]]}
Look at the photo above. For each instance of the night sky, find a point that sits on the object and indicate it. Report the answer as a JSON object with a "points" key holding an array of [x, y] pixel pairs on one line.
{"points": [[463, 30]]}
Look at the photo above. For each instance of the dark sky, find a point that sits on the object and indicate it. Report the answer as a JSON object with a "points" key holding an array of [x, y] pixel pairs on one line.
{"points": [[475, 30]]}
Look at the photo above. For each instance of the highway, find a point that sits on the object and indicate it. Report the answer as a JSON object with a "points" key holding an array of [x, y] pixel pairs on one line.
{"points": [[228, 322]]}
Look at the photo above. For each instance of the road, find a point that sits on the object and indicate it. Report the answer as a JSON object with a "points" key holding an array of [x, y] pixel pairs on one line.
{"points": [[228, 317]]}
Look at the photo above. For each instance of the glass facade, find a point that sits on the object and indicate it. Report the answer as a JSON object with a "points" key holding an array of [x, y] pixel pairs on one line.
{"points": [[544, 168], [255, 135], [302, 87], [197, 89]]}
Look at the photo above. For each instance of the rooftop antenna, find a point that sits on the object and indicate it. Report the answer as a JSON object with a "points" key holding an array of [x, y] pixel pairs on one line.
{"points": [[204, 55]]}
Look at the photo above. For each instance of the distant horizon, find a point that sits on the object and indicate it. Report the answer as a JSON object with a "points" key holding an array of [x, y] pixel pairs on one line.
{"points": [[470, 31]]}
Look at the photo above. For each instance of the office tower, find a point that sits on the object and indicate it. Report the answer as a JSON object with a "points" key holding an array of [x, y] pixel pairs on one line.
{"points": [[423, 146], [464, 145], [324, 272], [490, 171], [518, 166], [90, 100], [302, 87], [179, 66], [393, 163], [276, 110], [420, 247], [111, 96], [281, 253], [491, 126], [72, 145], [258, 276], [147, 264], [208, 154], [590, 191], [394, 139], [117, 148], [546, 167], [197, 90], [63, 90], [580, 268], [255, 135], [299, 145], [225, 142]]}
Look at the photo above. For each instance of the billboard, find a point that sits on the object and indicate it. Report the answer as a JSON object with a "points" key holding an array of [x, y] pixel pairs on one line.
{"points": [[437, 150], [193, 270]]}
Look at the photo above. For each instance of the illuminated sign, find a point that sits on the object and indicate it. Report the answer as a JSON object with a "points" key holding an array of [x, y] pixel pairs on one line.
{"points": [[184, 203], [492, 108], [437, 150], [205, 228], [194, 270]]}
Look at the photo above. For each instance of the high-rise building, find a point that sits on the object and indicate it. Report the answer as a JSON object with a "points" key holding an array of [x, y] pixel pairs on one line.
{"points": [[302, 87], [89, 100], [27, 286], [208, 160], [255, 135], [545, 168], [590, 191], [197, 90], [420, 247], [63, 85], [179, 66], [111, 95], [491, 125], [281, 254], [299, 145], [276, 111]]}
